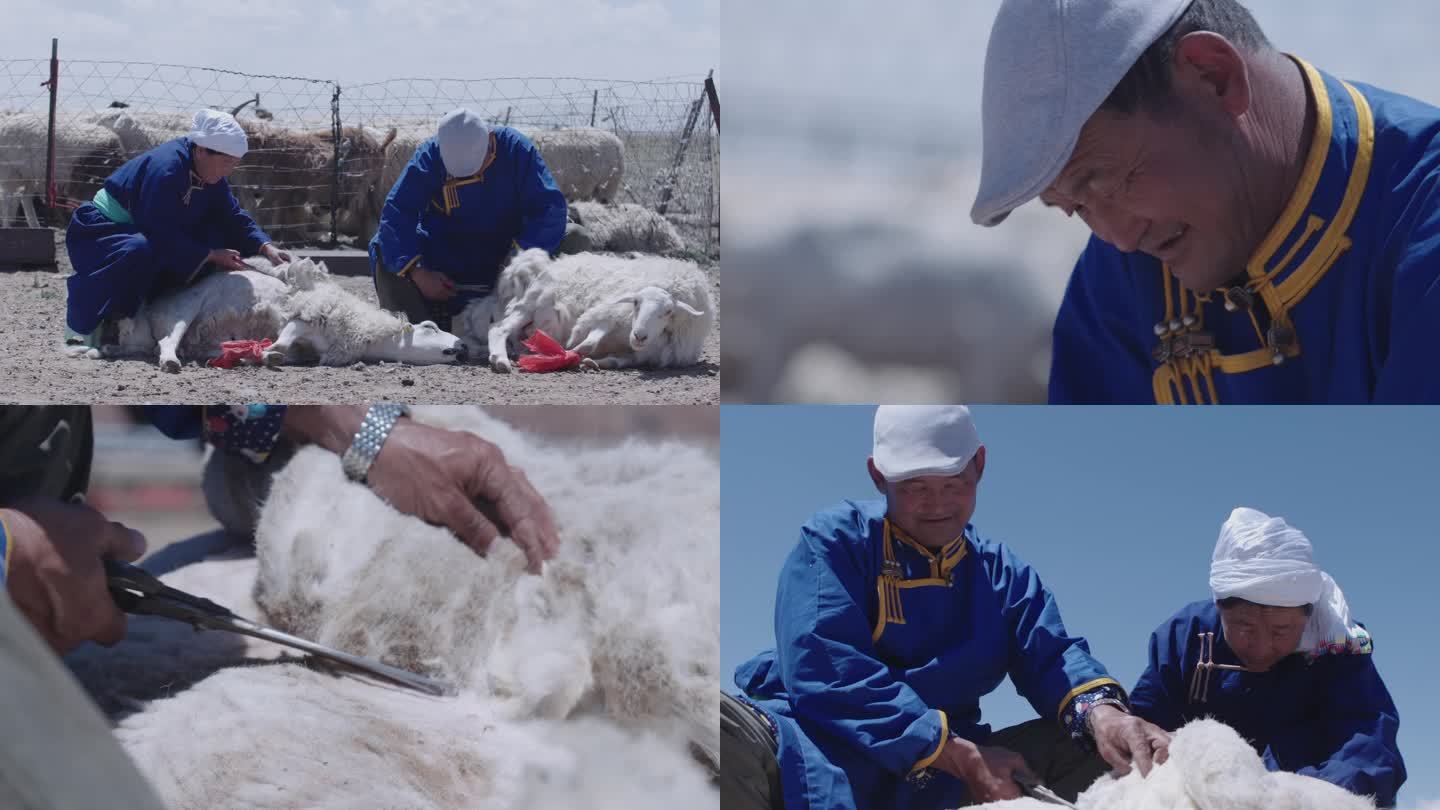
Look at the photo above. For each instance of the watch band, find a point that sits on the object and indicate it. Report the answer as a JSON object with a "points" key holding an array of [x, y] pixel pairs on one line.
{"points": [[375, 428]]}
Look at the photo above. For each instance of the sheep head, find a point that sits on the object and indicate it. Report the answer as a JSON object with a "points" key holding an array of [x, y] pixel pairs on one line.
{"points": [[654, 309]]}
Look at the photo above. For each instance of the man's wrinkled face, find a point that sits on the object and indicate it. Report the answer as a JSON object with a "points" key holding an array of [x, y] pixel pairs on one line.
{"points": [[1261, 635], [1167, 186], [933, 509]]}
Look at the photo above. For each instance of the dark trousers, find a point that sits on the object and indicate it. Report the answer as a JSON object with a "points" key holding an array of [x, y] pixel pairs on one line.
{"points": [[750, 772], [399, 294]]}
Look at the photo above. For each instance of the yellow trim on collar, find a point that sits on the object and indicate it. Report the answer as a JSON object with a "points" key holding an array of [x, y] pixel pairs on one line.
{"points": [[1082, 688], [448, 193], [944, 738]]}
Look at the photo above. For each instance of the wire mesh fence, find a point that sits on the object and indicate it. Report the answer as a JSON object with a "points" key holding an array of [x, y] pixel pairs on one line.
{"points": [[322, 157]]}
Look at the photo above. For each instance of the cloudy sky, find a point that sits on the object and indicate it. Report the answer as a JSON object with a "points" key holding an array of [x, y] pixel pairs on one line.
{"points": [[369, 40]]}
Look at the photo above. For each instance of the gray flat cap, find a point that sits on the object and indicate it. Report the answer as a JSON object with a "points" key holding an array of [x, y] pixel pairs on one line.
{"points": [[1048, 67]]}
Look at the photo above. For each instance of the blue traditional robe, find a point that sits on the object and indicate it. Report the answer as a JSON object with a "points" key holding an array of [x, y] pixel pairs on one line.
{"points": [[1345, 288], [883, 648], [466, 227], [1329, 717], [176, 220]]}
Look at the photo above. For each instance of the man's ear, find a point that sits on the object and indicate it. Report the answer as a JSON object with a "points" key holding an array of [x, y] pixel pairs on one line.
{"points": [[876, 477]]}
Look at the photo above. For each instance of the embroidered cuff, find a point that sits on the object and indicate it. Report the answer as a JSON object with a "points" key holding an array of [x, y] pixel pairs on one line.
{"points": [[249, 431], [1076, 716]]}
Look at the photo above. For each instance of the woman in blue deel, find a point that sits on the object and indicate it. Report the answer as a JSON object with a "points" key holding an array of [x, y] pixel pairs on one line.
{"points": [[469, 197], [160, 221], [893, 619], [1302, 685]]}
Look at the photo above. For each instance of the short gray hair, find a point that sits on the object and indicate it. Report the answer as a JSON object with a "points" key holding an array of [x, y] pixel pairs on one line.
{"points": [[1147, 84]]}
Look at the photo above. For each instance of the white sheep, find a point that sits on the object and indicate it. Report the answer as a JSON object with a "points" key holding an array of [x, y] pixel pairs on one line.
{"points": [[615, 311], [626, 227], [591, 684], [85, 154], [296, 305], [1210, 768], [140, 133], [587, 163]]}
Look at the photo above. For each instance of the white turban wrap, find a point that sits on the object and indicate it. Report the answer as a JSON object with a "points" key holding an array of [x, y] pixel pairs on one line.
{"points": [[916, 440], [1269, 562], [464, 140], [219, 131]]}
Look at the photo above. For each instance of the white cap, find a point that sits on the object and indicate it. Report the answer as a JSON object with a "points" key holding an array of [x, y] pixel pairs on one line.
{"points": [[1264, 560], [464, 141], [916, 440], [1049, 66], [219, 131]]}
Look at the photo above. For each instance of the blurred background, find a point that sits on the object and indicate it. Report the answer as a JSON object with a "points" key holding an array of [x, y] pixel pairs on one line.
{"points": [[854, 273], [151, 483]]}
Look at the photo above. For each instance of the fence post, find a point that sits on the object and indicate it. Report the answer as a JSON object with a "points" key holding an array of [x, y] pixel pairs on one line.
{"points": [[594, 102], [507, 116], [679, 158], [714, 98], [335, 166], [53, 84]]}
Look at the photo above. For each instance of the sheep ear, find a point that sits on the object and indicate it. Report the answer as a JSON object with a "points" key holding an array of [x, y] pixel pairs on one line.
{"points": [[693, 311]]}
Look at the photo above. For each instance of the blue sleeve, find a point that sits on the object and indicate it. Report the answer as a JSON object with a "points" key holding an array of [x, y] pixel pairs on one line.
{"points": [[1049, 667], [1097, 356], [1359, 726], [1157, 694], [542, 223], [240, 229], [4, 551], [1410, 372], [421, 180], [829, 664], [159, 199], [177, 421]]}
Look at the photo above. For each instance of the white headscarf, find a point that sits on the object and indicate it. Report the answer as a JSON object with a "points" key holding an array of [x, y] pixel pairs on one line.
{"points": [[1269, 562], [915, 440], [219, 131], [464, 141]]}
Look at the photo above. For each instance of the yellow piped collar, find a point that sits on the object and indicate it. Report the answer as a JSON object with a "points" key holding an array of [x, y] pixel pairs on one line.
{"points": [[449, 196]]}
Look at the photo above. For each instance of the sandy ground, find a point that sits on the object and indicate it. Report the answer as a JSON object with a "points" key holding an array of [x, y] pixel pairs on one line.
{"points": [[33, 369]]}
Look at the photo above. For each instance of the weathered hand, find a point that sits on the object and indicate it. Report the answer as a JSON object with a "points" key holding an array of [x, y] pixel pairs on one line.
{"points": [[434, 285], [226, 259], [464, 483], [1122, 738], [56, 578], [988, 772], [275, 254]]}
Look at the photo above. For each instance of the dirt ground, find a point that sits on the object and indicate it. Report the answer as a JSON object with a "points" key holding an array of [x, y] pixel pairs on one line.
{"points": [[34, 369]]}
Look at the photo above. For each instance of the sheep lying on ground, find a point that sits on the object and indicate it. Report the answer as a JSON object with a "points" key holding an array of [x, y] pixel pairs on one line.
{"points": [[615, 311], [296, 305], [589, 685], [626, 227], [85, 154], [1210, 768]]}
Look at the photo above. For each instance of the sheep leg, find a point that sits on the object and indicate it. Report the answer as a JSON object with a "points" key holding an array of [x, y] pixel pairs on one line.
{"points": [[586, 346], [292, 333], [516, 317], [169, 360]]}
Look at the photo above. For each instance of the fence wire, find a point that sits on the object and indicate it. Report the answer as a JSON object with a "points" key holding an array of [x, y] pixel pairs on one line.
{"points": [[322, 156]]}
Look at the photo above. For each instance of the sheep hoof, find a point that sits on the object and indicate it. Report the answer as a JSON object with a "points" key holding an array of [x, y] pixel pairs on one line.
{"points": [[500, 365], [172, 366], [274, 358], [589, 364]]}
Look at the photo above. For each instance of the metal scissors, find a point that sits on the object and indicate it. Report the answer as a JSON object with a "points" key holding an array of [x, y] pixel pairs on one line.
{"points": [[1031, 786], [137, 591]]}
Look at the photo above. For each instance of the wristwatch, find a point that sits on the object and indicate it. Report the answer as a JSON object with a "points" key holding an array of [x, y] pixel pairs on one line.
{"points": [[375, 428]]}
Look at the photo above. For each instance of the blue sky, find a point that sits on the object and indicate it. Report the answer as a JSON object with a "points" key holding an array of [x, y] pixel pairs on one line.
{"points": [[369, 40], [1118, 509]]}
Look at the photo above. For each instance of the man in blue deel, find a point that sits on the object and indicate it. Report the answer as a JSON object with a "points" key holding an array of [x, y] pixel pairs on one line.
{"points": [[468, 199], [1301, 684], [1262, 231], [159, 223], [892, 619]]}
